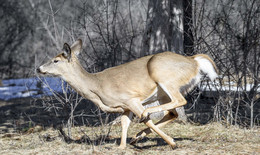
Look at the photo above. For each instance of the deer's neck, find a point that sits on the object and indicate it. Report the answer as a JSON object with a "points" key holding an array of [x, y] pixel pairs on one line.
{"points": [[79, 79]]}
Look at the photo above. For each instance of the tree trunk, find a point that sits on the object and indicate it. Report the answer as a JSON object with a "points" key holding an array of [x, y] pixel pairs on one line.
{"points": [[188, 22], [164, 28], [164, 31]]}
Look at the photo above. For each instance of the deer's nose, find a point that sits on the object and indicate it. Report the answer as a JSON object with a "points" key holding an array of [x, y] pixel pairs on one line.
{"points": [[38, 70]]}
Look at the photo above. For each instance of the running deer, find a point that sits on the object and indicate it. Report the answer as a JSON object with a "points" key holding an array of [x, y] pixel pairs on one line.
{"points": [[164, 78]]}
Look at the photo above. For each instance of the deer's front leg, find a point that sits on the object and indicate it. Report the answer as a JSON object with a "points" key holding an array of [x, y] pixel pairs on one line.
{"points": [[125, 122], [105, 108]]}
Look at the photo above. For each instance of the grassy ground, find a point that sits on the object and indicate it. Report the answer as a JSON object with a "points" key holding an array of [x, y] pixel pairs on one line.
{"points": [[212, 138], [18, 137]]}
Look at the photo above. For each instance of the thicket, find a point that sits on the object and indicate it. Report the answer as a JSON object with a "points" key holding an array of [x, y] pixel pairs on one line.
{"points": [[115, 32]]}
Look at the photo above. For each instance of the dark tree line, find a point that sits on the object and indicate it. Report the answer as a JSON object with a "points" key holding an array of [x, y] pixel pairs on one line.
{"points": [[16, 27], [115, 32]]}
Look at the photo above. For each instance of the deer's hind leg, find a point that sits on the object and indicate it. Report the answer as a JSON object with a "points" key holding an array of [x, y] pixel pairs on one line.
{"points": [[168, 117], [176, 100], [137, 108]]}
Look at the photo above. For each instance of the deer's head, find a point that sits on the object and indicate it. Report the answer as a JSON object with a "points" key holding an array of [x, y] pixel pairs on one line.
{"points": [[63, 62]]}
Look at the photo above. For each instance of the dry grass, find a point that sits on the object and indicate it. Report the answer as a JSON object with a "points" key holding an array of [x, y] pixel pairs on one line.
{"points": [[213, 138]]}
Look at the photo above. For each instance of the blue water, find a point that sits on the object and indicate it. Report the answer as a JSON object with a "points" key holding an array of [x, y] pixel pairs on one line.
{"points": [[30, 87]]}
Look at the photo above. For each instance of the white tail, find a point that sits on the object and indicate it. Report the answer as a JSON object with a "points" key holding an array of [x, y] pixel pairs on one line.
{"points": [[207, 66], [163, 78]]}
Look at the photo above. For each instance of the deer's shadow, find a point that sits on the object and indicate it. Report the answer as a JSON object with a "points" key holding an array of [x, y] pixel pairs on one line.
{"points": [[104, 139]]}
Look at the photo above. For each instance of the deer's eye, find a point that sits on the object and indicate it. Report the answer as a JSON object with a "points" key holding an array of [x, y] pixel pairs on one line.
{"points": [[55, 61]]}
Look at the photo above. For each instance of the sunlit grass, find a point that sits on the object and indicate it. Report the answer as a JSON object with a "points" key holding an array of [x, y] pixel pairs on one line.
{"points": [[213, 138]]}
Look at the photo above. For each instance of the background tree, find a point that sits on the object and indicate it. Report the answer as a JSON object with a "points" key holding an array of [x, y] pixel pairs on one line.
{"points": [[168, 23], [228, 31], [16, 28], [164, 27], [115, 32]]}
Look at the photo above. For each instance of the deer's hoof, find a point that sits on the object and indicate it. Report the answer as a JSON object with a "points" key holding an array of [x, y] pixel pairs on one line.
{"points": [[134, 140]]}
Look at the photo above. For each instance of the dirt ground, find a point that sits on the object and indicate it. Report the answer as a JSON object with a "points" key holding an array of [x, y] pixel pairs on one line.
{"points": [[212, 138]]}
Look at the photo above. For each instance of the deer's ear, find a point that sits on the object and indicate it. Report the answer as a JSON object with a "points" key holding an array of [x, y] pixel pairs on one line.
{"points": [[76, 47], [66, 51]]}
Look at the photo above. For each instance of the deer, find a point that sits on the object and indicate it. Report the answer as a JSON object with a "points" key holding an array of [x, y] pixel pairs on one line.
{"points": [[164, 78]]}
